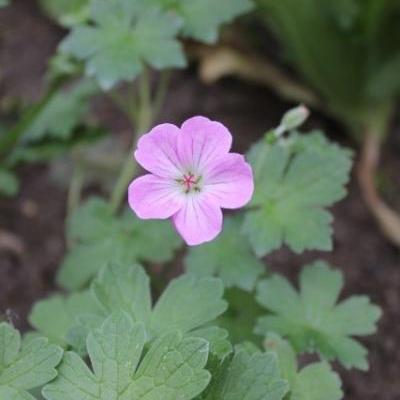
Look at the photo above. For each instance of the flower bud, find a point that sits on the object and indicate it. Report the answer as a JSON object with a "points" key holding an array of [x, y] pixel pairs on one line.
{"points": [[294, 118]]}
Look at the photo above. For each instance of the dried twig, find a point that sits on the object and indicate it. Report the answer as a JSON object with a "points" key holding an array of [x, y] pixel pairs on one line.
{"points": [[387, 218]]}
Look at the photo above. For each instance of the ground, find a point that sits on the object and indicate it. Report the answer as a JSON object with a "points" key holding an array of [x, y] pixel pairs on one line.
{"points": [[36, 217]]}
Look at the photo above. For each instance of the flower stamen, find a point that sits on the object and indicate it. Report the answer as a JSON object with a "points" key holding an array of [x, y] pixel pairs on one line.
{"points": [[189, 181]]}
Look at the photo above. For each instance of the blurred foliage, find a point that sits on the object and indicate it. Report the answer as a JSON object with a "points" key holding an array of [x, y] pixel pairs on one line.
{"points": [[67, 12], [348, 50], [197, 20], [8, 183], [120, 37], [98, 238], [63, 113]]}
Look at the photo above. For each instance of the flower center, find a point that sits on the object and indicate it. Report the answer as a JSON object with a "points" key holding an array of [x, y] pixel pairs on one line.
{"points": [[190, 182]]}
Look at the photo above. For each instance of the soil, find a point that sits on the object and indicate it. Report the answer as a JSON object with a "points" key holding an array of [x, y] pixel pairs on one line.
{"points": [[32, 225]]}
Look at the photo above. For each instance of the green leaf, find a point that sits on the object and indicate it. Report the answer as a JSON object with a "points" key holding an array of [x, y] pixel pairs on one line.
{"points": [[55, 316], [91, 221], [66, 12], [187, 305], [100, 238], [8, 183], [286, 356], [345, 12], [201, 24], [241, 316], [220, 346], [328, 387], [173, 367], [385, 83], [230, 257], [4, 3], [62, 114], [25, 366], [311, 319], [295, 180], [249, 376], [122, 36], [50, 148], [8, 393], [124, 288], [303, 383]]}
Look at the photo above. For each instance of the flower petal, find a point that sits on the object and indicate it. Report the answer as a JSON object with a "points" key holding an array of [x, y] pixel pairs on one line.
{"points": [[153, 197], [199, 220], [157, 152], [230, 181], [202, 141]]}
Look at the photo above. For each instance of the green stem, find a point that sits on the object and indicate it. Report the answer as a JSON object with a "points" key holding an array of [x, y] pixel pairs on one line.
{"points": [[127, 173], [12, 137], [162, 90], [127, 104], [145, 107], [75, 188], [144, 114]]}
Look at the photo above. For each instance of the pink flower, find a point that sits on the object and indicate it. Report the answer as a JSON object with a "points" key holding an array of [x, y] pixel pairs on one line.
{"points": [[192, 176]]}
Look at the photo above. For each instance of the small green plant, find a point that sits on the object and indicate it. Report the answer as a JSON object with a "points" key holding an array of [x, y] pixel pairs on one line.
{"points": [[226, 329]]}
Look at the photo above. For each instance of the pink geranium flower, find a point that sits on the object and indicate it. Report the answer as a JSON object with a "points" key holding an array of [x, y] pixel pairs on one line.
{"points": [[192, 176]]}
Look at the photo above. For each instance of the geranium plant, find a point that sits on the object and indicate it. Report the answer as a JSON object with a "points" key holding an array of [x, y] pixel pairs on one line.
{"points": [[227, 328], [105, 337]]}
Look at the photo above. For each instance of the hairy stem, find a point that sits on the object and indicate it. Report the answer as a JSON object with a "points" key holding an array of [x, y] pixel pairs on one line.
{"points": [[75, 188], [387, 218], [163, 85], [146, 112]]}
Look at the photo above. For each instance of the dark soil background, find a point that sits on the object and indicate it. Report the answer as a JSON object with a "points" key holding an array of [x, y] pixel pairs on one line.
{"points": [[32, 225]]}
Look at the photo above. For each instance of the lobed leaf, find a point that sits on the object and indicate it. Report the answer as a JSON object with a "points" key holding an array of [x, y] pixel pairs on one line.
{"points": [[249, 376], [66, 12], [311, 319], [188, 304], [295, 180], [100, 238], [172, 368], [55, 316], [198, 22], [303, 382], [25, 366], [120, 37], [68, 106]]}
